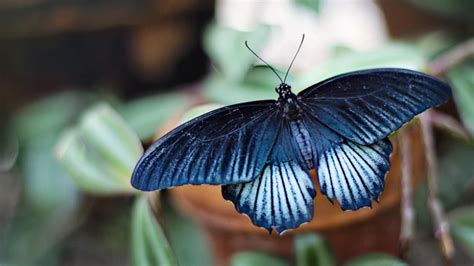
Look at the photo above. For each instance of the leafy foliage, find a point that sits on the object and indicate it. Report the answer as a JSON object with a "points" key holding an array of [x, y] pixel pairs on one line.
{"points": [[314, 5], [9, 148], [454, 9], [146, 116], [375, 259], [100, 153], [462, 224], [225, 46], [455, 176], [186, 241], [462, 78], [50, 200], [311, 250], [149, 244], [251, 258]]}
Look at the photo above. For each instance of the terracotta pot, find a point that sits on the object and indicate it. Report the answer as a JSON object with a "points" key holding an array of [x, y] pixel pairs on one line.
{"points": [[349, 234]]}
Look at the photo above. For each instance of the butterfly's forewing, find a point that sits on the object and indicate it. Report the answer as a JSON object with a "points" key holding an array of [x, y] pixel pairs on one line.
{"points": [[367, 106], [282, 196], [349, 172], [226, 146]]}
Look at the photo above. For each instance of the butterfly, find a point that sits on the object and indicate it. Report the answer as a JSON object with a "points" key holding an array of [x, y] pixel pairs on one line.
{"points": [[261, 152]]}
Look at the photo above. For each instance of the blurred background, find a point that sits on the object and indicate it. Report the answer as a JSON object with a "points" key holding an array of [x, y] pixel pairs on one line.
{"points": [[85, 86]]}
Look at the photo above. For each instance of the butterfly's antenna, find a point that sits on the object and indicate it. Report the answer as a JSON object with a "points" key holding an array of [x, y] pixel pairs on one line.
{"points": [[297, 51], [246, 44]]}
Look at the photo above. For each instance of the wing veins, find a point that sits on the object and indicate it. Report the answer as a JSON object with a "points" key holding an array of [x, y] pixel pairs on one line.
{"points": [[233, 131]]}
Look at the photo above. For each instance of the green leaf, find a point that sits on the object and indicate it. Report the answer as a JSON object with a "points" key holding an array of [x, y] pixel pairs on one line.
{"points": [[262, 76], [376, 259], [253, 258], [455, 170], [455, 176], [49, 206], [101, 152], [36, 236], [432, 44], [48, 116], [48, 211], [311, 250], [37, 127], [186, 238], [340, 50], [147, 115], [111, 137], [46, 184], [462, 227], [462, 79], [225, 47], [149, 244], [314, 5], [390, 55], [85, 168], [9, 148], [454, 9]]}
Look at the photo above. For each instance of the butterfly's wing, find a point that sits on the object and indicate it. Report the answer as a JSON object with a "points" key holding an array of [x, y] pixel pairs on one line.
{"points": [[367, 106], [282, 196], [352, 173], [225, 146]]}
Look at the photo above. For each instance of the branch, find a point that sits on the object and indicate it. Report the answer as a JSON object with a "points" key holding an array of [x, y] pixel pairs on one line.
{"points": [[439, 220], [407, 212], [447, 122], [456, 55]]}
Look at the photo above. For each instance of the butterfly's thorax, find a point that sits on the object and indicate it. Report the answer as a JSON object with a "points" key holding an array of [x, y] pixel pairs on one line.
{"points": [[292, 112], [288, 102]]}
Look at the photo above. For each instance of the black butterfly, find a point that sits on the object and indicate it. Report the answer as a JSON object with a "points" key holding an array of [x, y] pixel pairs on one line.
{"points": [[262, 151]]}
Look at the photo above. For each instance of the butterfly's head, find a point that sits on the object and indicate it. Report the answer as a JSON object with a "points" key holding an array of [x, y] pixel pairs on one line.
{"points": [[283, 90]]}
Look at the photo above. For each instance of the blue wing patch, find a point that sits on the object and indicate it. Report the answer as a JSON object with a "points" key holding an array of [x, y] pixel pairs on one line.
{"points": [[282, 197], [349, 172], [367, 106], [226, 146], [354, 174]]}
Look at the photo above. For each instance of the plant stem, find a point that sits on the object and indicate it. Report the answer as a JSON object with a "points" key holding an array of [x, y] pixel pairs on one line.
{"points": [[447, 122], [439, 220], [456, 55], [154, 201], [407, 212]]}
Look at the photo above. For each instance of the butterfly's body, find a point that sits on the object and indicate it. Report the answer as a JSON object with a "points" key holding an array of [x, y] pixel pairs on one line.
{"points": [[303, 140], [291, 112], [261, 152]]}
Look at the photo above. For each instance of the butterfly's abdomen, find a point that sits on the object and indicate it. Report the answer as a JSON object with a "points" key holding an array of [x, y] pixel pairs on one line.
{"points": [[303, 140]]}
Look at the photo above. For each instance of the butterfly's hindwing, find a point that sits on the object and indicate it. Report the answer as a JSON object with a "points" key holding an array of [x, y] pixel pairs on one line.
{"points": [[226, 146], [367, 106], [353, 173], [349, 172], [282, 196]]}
